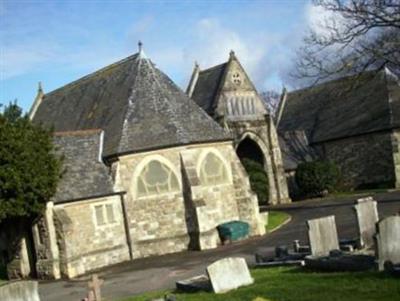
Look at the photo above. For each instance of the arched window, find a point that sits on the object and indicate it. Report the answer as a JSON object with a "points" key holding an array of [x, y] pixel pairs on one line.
{"points": [[156, 178], [213, 171]]}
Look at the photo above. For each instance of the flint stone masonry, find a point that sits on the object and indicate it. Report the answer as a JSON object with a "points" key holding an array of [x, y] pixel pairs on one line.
{"points": [[20, 291], [84, 245], [363, 160], [367, 216], [229, 274], [322, 235], [388, 241], [187, 218]]}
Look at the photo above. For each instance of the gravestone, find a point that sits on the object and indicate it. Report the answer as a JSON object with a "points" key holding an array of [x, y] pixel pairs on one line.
{"points": [[367, 216], [322, 235], [388, 241], [228, 274], [20, 291]]}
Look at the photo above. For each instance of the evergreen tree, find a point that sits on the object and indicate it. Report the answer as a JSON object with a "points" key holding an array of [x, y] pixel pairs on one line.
{"points": [[258, 179], [29, 167]]}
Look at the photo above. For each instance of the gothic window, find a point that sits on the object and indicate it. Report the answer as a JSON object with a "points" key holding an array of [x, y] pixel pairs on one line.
{"points": [[156, 178], [236, 78], [213, 171]]}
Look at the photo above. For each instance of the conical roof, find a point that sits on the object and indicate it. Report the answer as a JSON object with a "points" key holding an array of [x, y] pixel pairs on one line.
{"points": [[137, 105]]}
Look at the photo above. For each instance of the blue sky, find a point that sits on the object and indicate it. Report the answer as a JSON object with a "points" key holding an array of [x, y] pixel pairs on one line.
{"points": [[56, 42]]}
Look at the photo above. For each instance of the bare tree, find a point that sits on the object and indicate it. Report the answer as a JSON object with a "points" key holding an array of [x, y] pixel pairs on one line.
{"points": [[271, 100], [356, 35]]}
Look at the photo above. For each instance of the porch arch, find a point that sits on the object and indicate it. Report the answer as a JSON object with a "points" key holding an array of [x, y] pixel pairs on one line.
{"points": [[251, 146]]}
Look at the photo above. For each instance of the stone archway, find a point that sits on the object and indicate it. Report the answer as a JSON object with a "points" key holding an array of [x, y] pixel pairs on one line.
{"points": [[249, 149], [254, 162]]}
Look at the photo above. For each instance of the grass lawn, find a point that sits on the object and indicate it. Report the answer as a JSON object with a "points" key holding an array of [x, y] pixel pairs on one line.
{"points": [[276, 218], [357, 192], [287, 284]]}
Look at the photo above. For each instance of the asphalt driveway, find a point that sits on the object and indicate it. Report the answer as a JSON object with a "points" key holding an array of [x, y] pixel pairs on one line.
{"points": [[157, 273]]}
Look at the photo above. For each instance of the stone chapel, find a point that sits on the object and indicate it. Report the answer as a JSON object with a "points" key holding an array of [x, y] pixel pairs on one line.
{"points": [[147, 170]]}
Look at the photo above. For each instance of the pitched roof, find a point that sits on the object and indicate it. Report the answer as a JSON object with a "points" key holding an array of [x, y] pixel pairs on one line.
{"points": [[137, 106], [345, 107], [295, 149], [85, 175], [207, 86]]}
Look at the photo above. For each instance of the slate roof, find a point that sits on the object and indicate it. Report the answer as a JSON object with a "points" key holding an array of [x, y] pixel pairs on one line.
{"points": [[137, 105], [295, 149], [345, 107], [84, 175], [207, 86]]}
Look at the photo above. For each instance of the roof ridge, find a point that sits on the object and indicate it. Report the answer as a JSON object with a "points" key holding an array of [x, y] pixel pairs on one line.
{"points": [[90, 75], [335, 80], [77, 132], [213, 67]]}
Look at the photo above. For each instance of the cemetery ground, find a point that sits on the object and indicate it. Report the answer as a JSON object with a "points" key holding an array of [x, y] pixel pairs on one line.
{"points": [[132, 279], [285, 283]]}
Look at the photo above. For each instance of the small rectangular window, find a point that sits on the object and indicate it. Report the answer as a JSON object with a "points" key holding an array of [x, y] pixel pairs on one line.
{"points": [[110, 213], [99, 215]]}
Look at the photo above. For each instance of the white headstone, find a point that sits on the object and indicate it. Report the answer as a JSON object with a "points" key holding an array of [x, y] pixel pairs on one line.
{"points": [[228, 274], [322, 235], [388, 240], [367, 217], [20, 291]]}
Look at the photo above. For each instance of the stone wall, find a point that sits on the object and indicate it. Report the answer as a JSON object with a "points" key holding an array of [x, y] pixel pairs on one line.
{"points": [[74, 238], [364, 160], [45, 240], [85, 244], [175, 221], [157, 223]]}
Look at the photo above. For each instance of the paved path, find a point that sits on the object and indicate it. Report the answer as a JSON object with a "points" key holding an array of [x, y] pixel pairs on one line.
{"points": [[161, 272]]}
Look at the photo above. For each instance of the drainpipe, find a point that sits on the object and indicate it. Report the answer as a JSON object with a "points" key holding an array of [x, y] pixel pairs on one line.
{"points": [[126, 224]]}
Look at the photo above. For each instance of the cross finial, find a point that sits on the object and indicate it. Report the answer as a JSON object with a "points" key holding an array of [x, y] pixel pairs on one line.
{"points": [[140, 45], [40, 89], [232, 54], [142, 55]]}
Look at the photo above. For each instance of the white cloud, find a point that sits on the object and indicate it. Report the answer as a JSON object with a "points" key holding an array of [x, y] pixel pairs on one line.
{"points": [[213, 42]]}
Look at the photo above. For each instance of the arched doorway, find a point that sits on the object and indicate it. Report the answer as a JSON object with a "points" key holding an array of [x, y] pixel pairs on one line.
{"points": [[249, 149], [252, 158]]}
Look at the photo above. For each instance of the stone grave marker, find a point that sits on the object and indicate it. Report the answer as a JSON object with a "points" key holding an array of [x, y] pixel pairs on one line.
{"points": [[322, 235], [20, 291], [388, 241], [228, 274], [367, 216], [94, 293]]}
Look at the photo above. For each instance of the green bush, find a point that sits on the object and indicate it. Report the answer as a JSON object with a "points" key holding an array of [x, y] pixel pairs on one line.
{"points": [[258, 179], [3, 272], [317, 178]]}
